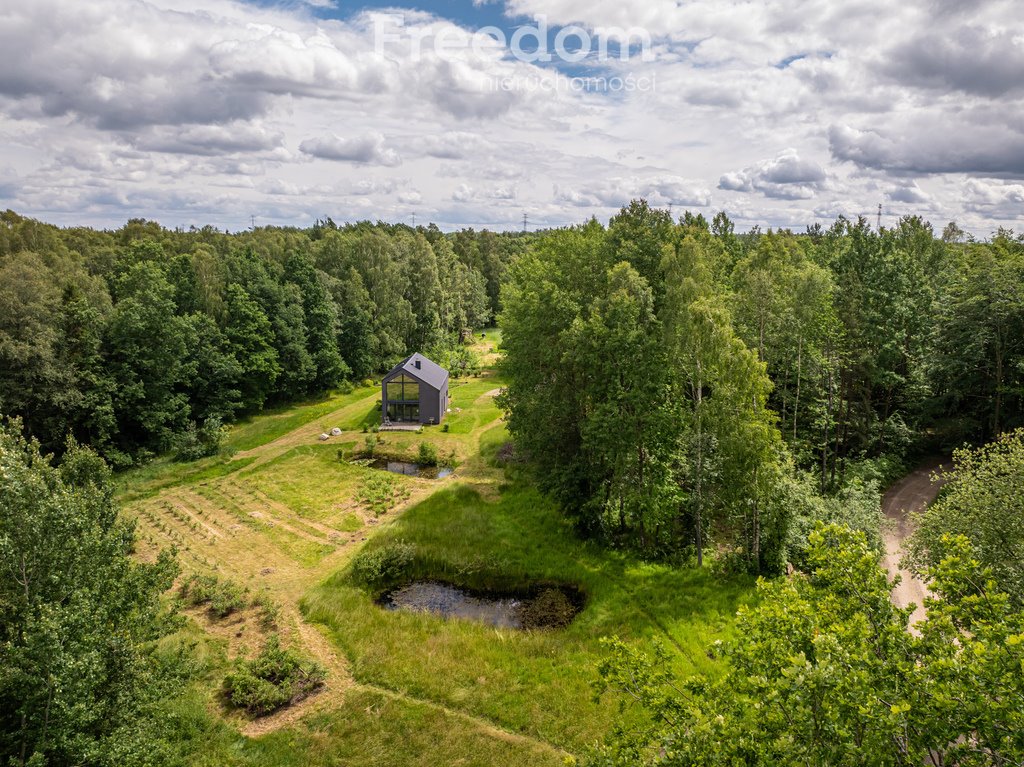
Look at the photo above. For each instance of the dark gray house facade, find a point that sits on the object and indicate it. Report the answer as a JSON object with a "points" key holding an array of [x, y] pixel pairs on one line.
{"points": [[416, 391]]}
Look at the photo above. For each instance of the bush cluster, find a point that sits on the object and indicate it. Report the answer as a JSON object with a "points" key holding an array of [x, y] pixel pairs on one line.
{"points": [[273, 679], [223, 597], [383, 566], [551, 608], [427, 455], [200, 441], [380, 493]]}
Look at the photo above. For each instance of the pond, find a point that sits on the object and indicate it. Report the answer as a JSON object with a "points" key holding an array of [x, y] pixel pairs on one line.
{"points": [[543, 607], [410, 469]]}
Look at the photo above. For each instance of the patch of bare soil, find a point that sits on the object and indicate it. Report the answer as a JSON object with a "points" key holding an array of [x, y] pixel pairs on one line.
{"points": [[910, 495]]}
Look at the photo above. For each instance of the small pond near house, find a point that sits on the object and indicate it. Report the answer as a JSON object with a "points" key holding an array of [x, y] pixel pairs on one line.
{"points": [[543, 607], [410, 469]]}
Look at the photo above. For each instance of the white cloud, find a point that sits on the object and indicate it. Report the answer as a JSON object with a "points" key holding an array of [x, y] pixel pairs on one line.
{"points": [[367, 150], [366, 186], [208, 139], [995, 200], [456, 145], [617, 192], [916, 146], [209, 111], [785, 177], [909, 192], [464, 193]]}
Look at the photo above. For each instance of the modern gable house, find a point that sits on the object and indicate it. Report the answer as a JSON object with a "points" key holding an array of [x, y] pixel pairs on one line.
{"points": [[415, 390]]}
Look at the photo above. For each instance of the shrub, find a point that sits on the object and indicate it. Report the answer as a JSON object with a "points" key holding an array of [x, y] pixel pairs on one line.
{"points": [[200, 441], [385, 566], [269, 611], [549, 609], [222, 597], [983, 503], [273, 679], [427, 455], [379, 493], [444, 428], [371, 444], [857, 505]]}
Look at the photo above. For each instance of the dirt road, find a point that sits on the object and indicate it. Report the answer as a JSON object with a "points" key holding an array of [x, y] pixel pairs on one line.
{"points": [[911, 494]]}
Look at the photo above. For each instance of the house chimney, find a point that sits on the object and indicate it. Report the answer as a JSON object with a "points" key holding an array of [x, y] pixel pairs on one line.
{"points": [[418, 366]]}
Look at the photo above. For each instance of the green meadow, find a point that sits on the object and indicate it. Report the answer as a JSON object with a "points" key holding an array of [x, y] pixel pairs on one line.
{"points": [[284, 517]]}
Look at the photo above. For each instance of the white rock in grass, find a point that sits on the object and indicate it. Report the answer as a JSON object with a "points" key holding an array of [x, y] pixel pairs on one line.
{"points": [[324, 437], [335, 432]]}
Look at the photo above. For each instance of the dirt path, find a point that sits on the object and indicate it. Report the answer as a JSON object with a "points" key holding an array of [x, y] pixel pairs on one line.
{"points": [[910, 495]]}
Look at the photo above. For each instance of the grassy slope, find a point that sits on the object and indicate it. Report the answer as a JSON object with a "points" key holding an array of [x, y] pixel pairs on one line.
{"points": [[536, 683], [283, 518]]}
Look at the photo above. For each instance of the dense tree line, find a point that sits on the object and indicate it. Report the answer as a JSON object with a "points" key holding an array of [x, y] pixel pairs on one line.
{"points": [[678, 385], [824, 669], [141, 339]]}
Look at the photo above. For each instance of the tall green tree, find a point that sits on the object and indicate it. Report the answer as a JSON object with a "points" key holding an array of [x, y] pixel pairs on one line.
{"points": [[638, 234], [625, 432], [146, 347], [983, 503], [729, 448], [321, 318], [28, 308], [213, 391], [423, 291], [979, 340], [355, 323], [288, 321], [549, 288], [79, 680], [251, 338]]}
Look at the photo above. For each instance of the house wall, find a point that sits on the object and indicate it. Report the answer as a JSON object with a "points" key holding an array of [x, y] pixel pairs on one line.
{"points": [[429, 404], [433, 402]]}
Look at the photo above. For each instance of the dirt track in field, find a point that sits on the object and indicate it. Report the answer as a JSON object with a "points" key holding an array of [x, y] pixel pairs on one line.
{"points": [[910, 495]]}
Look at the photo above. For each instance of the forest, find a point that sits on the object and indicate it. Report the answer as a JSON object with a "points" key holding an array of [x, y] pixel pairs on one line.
{"points": [[691, 425], [143, 340], [680, 386]]}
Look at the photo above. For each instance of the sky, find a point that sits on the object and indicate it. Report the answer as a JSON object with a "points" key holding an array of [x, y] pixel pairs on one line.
{"points": [[782, 113]]}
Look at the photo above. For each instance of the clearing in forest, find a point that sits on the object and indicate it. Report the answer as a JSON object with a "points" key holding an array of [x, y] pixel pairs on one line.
{"points": [[283, 519]]}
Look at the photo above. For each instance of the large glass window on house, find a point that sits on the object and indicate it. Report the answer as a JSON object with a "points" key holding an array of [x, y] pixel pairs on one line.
{"points": [[403, 389], [403, 412]]}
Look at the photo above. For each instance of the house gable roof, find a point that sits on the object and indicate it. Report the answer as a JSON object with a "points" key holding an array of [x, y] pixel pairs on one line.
{"points": [[428, 372]]}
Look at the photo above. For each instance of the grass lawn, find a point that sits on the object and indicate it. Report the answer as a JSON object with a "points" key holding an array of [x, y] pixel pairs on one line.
{"points": [[537, 683], [285, 515], [371, 729], [268, 426]]}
